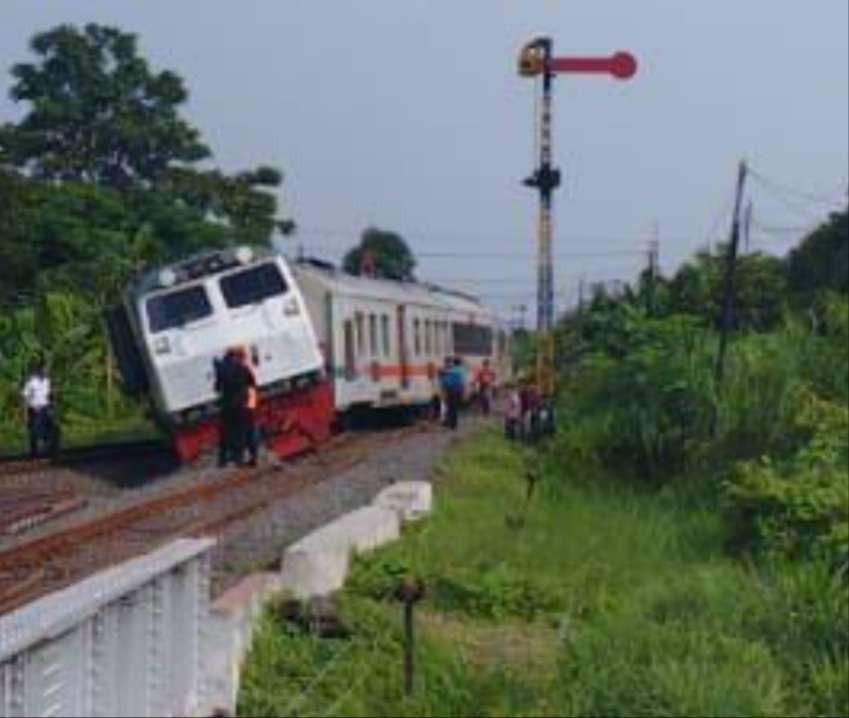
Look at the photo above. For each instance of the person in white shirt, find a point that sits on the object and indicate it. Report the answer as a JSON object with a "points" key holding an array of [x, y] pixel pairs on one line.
{"points": [[37, 395]]}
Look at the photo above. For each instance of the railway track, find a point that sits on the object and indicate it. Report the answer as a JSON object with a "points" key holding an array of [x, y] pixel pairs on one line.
{"points": [[22, 509], [11, 464], [39, 566]]}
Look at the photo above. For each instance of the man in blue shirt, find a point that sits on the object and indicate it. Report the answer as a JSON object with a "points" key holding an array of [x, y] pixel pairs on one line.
{"points": [[452, 386]]}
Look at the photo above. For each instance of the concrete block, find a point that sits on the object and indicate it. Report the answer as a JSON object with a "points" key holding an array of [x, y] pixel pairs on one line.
{"points": [[314, 571], [233, 617], [409, 499], [318, 564]]}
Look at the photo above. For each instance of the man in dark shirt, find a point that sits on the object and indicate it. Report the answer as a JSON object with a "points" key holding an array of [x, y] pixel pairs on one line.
{"points": [[232, 383]]}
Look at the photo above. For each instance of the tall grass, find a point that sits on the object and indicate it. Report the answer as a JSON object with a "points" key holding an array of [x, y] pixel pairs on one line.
{"points": [[597, 598]]}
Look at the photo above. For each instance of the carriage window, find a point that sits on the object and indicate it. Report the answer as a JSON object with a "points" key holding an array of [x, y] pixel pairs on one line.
{"points": [[361, 331], [472, 339], [175, 309], [350, 364], [372, 334], [417, 337], [252, 285], [384, 330]]}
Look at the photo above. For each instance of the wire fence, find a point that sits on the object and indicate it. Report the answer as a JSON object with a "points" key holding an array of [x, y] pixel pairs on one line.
{"points": [[300, 699]]}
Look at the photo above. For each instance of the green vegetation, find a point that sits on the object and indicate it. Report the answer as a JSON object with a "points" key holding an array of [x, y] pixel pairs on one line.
{"points": [[387, 252], [99, 179], [600, 598], [686, 553]]}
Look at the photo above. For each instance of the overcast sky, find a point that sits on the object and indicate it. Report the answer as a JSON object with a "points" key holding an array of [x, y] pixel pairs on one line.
{"points": [[409, 115]]}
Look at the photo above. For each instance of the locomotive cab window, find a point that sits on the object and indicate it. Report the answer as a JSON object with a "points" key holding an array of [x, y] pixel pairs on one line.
{"points": [[175, 309], [253, 285]]}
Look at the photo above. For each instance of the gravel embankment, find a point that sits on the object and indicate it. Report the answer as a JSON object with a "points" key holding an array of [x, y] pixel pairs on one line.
{"points": [[259, 542]]}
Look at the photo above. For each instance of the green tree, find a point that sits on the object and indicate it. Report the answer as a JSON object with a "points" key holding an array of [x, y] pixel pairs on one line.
{"points": [[388, 251], [99, 115], [821, 261], [18, 254], [760, 289]]}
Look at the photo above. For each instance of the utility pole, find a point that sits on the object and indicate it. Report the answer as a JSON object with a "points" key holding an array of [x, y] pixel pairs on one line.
{"points": [[730, 262], [536, 60], [653, 268], [581, 295], [519, 316]]}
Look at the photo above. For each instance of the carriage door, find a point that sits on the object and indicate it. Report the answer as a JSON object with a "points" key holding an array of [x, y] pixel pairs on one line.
{"points": [[402, 346]]}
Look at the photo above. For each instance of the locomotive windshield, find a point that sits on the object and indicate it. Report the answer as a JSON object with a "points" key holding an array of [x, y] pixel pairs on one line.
{"points": [[166, 311], [253, 285]]}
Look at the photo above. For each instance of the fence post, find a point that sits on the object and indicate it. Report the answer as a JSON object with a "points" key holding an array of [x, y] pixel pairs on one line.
{"points": [[410, 592]]}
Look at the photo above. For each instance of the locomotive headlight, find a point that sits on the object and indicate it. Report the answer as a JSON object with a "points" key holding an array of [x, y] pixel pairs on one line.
{"points": [[291, 308], [244, 255], [167, 278], [162, 346]]}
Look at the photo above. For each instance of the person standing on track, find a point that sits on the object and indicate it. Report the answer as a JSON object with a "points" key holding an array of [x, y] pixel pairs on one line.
{"points": [[247, 415], [453, 385], [485, 381], [227, 386], [37, 394], [513, 414], [443, 390]]}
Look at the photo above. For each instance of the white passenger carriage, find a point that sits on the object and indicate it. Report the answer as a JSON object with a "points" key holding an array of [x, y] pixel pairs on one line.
{"points": [[322, 342], [384, 341]]}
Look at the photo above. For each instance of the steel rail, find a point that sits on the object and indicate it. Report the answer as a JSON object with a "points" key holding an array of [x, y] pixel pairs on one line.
{"points": [[66, 555]]}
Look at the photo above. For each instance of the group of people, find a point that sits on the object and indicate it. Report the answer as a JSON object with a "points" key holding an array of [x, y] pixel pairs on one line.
{"points": [[528, 415], [236, 385], [453, 380]]}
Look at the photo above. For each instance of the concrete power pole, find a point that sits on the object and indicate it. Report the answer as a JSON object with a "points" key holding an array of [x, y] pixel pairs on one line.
{"points": [[728, 283]]}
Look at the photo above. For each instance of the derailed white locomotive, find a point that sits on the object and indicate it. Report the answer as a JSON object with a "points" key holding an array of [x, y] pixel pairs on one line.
{"points": [[323, 343]]}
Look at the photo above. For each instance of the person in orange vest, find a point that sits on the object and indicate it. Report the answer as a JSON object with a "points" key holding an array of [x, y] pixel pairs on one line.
{"points": [[250, 404]]}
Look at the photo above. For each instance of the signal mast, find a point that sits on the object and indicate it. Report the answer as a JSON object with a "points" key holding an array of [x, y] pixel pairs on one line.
{"points": [[536, 60]]}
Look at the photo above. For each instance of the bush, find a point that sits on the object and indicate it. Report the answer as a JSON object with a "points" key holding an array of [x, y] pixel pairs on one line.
{"points": [[497, 593], [630, 667], [645, 413], [799, 506], [377, 576]]}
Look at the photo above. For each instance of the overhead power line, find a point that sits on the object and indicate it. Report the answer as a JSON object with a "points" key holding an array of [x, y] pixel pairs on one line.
{"points": [[781, 229], [780, 187], [454, 236], [510, 255]]}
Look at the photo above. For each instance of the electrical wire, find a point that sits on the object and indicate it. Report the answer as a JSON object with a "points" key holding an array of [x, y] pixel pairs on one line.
{"points": [[780, 187], [781, 229], [454, 237], [325, 669]]}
